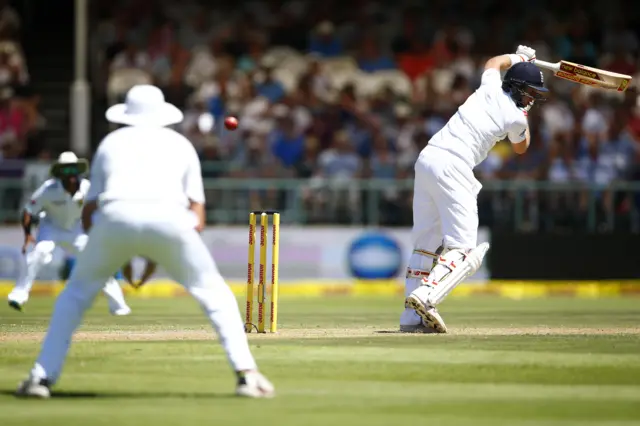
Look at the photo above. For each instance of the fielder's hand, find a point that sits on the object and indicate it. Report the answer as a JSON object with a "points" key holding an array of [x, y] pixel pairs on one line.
{"points": [[28, 240], [149, 270], [526, 53]]}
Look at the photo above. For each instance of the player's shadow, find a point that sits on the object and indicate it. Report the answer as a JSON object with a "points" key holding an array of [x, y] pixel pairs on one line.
{"points": [[136, 395]]}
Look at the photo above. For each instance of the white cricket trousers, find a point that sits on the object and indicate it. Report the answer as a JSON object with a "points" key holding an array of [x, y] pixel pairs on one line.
{"points": [[72, 241], [164, 234], [445, 213]]}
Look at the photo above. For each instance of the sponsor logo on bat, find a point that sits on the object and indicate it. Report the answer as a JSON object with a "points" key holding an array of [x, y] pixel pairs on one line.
{"points": [[579, 71], [623, 85], [576, 78]]}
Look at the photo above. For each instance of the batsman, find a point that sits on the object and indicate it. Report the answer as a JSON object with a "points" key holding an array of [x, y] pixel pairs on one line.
{"points": [[445, 210]]}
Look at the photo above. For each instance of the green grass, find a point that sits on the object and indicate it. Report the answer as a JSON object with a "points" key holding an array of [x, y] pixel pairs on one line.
{"points": [[506, 362]]}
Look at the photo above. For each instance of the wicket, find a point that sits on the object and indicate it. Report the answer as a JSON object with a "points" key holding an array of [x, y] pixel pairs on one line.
{"points": [[262, 271]]}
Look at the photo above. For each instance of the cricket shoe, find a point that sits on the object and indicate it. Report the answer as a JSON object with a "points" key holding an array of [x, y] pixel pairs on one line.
{"points": [[34, 388], [121, 312], [15, 305], [429, 314], [17, 299], [252, 384]]}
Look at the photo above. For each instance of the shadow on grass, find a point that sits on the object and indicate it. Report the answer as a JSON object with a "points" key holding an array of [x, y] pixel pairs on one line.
{"points": [[137, 395]]}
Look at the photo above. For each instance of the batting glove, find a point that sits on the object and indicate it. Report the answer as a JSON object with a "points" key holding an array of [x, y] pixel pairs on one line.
{"points": [[526, 53]]}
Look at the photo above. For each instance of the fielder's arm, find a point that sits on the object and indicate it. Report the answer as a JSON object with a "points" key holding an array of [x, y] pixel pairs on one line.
{"points": [[149, 270], [37, 204], [96, 188], [198, 210], [127, 273], [87, 215], [27, 222], [194, 189]]}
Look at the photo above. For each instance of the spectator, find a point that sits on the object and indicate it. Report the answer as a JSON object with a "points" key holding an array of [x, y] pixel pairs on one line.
{"points": [[210, 157], [9, 68], [382, 162], [324, 42], [266, 85], [340, 161], [13, 125], [462, 64], [314, 84], [557, 118], [288, 145], [9, 21], [337, 168], [204, 62], [250, 60], [416, 60], [560, 165], [620, 61], [254, 160], [371, 59], [196, 32], [309, 160], [403, 128], [131, 57]]}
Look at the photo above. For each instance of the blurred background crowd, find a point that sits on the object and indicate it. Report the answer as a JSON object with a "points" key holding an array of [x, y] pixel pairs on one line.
{"points": [[336, 93], [20, 121]]}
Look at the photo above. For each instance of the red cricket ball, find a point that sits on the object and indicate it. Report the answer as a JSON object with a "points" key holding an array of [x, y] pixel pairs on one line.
{"points": [[231, 123]]}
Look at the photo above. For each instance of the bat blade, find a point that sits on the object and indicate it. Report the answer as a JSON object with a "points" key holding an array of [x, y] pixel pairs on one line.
{"points": [[588, 76]]}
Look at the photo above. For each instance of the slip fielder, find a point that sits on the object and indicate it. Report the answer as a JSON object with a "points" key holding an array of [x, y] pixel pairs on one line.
{"points": [[60, 199], [445, 212], [147, 193]]}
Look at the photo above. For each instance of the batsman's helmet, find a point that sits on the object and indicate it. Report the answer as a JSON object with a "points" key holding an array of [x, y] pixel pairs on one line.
{"points": [[523, 80]]}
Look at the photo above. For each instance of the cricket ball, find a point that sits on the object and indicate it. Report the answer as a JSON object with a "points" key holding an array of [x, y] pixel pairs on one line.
{"points": [[231, 123]]}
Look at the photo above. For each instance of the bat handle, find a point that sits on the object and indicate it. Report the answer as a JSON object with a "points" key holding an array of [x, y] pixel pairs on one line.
{"points": [[547, 65]]}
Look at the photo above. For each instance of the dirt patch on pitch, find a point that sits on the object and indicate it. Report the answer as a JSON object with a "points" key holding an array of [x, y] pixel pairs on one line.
{"points": [[169, 335]]}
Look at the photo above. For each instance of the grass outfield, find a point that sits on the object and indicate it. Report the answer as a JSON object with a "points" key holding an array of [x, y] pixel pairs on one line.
{"points": [[338, 361]]}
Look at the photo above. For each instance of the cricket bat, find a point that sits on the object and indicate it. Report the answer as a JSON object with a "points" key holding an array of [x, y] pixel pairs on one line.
{"points": [[587, 75]]}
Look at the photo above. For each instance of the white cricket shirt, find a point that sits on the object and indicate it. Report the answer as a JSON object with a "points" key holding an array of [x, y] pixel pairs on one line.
{"points": [[489, 115], [146, 165], [61, 209]]}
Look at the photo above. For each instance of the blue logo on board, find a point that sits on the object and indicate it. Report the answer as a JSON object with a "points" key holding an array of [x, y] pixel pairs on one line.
{"points": [[375, 255]]}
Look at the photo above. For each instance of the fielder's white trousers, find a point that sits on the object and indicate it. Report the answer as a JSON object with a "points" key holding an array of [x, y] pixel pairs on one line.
{"points": [[445, 212], [164, 234], [72, 241]]}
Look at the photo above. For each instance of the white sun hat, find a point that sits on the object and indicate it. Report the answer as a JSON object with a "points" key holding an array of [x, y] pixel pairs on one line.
{"points": [[69, 158], [145, 106]]}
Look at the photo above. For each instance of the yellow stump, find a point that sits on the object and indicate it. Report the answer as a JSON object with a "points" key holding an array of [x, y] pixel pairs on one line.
{"points": [[275, 241], [248, 323], [262, 277]]}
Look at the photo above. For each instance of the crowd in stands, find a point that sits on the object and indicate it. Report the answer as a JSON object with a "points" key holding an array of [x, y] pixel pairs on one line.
{"points": [[332, 91], [20, 121]]}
